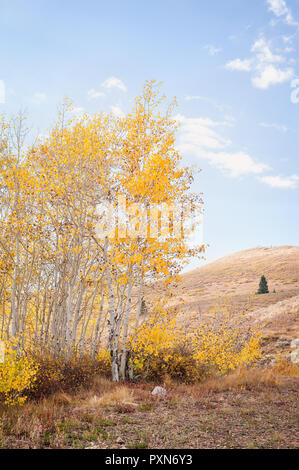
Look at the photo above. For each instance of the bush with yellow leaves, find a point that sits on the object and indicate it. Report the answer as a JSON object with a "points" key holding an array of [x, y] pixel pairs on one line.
{"points": [[61, 374], [17, 377], [38, 374], [160, 348], [224, 349]]}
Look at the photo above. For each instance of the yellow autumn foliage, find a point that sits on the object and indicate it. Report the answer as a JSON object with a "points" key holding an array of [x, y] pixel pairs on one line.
{"points": [[17, 375], [160, 347], [67, 284]]}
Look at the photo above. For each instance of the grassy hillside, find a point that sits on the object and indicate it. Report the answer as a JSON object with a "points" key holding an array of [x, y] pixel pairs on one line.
{"points": [[235, 278]]}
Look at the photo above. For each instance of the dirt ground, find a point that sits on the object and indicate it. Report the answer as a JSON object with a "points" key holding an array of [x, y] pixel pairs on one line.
{"points": [[247, 414]]}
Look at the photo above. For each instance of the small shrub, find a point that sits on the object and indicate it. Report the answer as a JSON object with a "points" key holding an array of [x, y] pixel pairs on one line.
{"points": [[225, 349], [66, 375], [17, 376]]}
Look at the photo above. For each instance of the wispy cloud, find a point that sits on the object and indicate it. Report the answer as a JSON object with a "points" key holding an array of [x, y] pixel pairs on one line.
{"points": [[94, 94], [212, 50], [280, 9], [39, 98], [113, 82], [282, 182], [220, 107], [268, 68], [199, 137], [241, 65], [77, 110], [264, 55], [288, 39], [194, 97], [117, 111], [277, 127]]}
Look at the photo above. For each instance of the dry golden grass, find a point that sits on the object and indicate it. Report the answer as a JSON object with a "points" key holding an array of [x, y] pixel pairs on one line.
{"points": [[286, 368], [102, 385], [62, 399], [243, 378], [119, 396], [235, 278], [239, 410]]}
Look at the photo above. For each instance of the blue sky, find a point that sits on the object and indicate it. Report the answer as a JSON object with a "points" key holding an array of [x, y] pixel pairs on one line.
{"points": [[232, 66]]}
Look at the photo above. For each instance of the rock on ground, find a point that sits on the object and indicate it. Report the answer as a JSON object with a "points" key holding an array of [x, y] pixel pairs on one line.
{"points": [[159, 391], [295, 343], [295, 356]]}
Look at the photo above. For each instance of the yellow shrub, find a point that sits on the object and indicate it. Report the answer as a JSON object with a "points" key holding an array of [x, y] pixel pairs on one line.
{"points": [[161, 348], [57, 374], [103, 359], [157, 335], [17, 374], [225, 349]]}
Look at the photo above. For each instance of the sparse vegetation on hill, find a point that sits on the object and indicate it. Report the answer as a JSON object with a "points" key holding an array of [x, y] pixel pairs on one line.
{"points": [[233, 279]]}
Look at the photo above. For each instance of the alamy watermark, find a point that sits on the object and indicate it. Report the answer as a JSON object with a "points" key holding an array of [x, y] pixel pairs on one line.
{"points": [[160, 221], [295, 92]]}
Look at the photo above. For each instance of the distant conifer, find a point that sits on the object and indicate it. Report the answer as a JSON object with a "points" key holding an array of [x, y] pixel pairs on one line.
{"points": [[263, 287], [143, 310]]}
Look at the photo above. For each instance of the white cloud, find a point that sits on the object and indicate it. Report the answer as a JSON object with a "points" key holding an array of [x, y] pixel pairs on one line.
{"points": [[194, 97], [77, 110], [288, 50], [282, 182], [198, 137], [270, 75], [93, 94], [264, 53], [213, 50], [263, 65], [117, 111], [288, 39], [278, 127], [113, 82], [39, 97], [238, 64], [236, 163], [280, 9], [199, 132]]}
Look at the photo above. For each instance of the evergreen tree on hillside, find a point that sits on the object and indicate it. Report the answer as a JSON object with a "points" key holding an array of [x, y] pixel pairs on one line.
{"points": [[143, 310], [263, 287]]}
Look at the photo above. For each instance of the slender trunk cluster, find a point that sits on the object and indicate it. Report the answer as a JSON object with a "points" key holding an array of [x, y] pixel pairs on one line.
{"points": [[64, 288]]}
